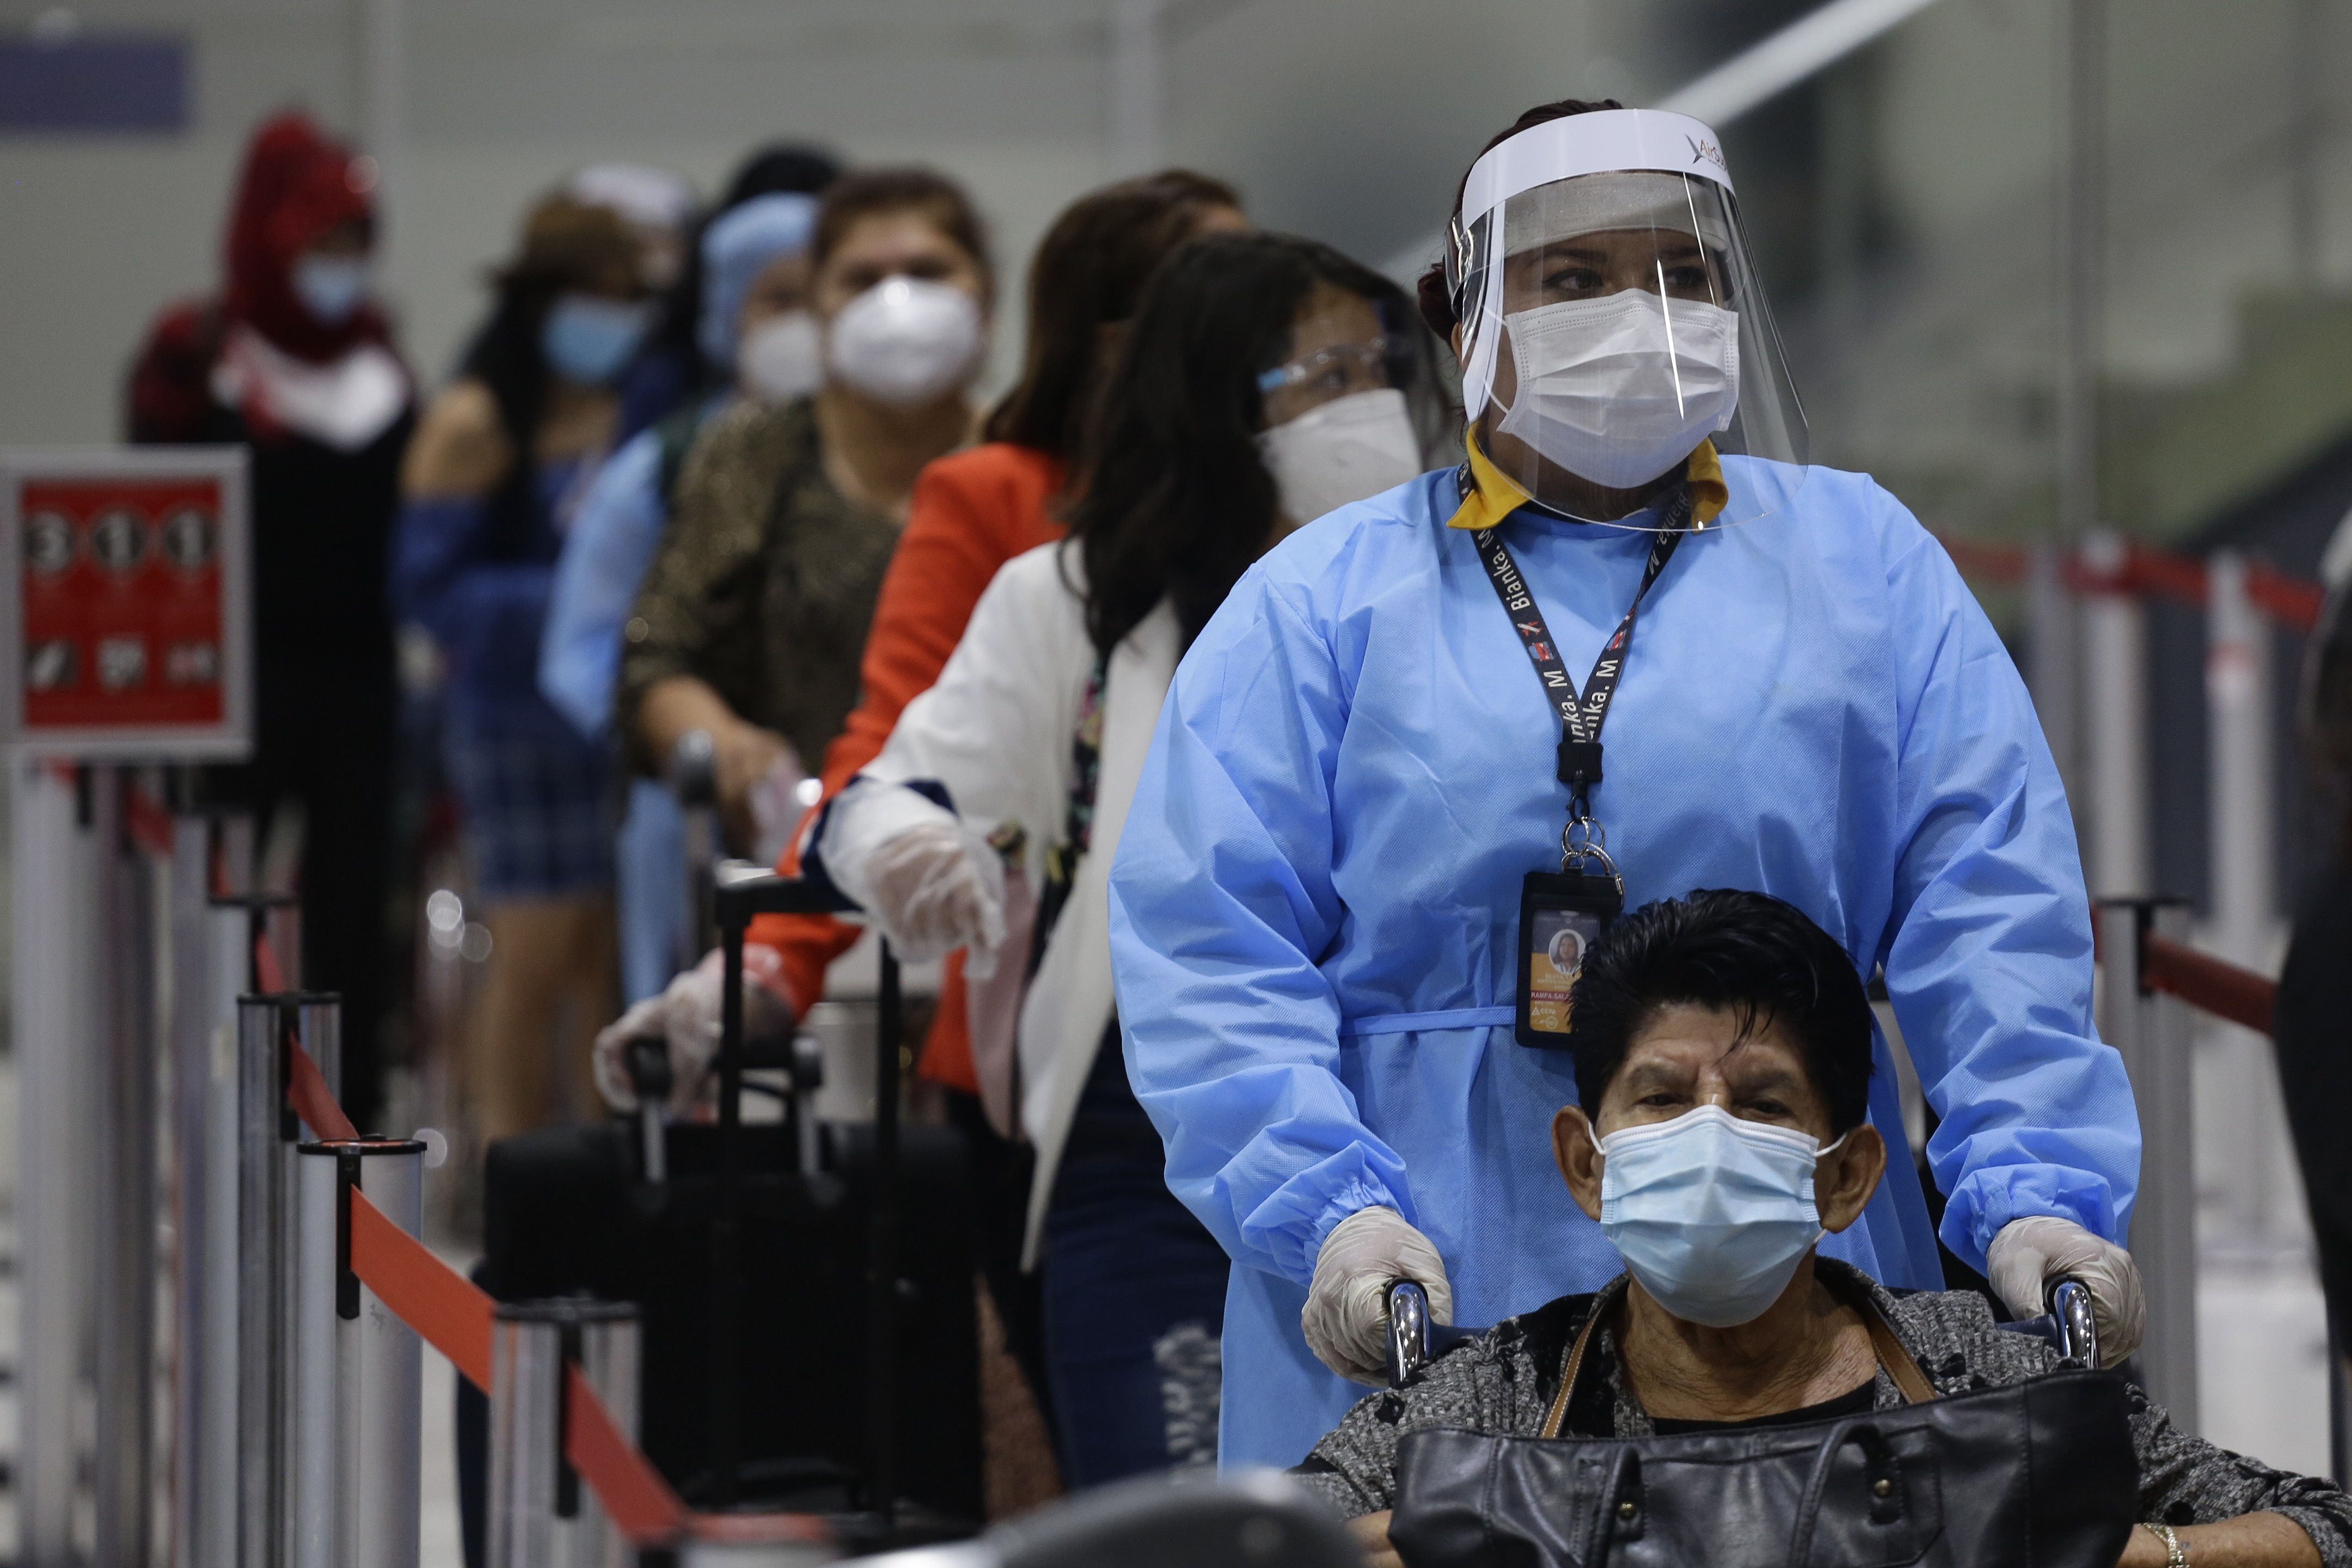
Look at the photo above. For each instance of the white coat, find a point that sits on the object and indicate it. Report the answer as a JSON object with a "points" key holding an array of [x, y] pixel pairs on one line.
{"points": [[996, 732]]}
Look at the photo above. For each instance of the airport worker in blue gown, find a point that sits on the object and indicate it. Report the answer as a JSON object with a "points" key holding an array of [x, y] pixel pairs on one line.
{"points": [[1634, 644]]}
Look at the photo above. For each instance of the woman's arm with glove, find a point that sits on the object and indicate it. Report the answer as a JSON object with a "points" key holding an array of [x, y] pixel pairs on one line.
{"points": [[2032, 1254], [990, 743], [685, 1017], [1220, 901], [930, 882], [1988, 947], [1346, 1319]]}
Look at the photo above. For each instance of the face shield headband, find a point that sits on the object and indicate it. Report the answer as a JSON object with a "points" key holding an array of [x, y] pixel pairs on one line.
{"points": [[1608, 141], [1613, 329]]}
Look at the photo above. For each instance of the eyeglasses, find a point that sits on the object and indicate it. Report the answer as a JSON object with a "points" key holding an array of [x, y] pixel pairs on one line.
{"points": [[1368, 362]]}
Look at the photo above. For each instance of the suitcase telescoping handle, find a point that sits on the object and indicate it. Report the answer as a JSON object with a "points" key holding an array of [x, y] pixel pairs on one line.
{"points": [[734, 903], [1414, 1339], [649, 1076]]}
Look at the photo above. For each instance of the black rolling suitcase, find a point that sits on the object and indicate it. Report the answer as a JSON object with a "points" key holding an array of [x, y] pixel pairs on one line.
{"points": [[808, 1322]]}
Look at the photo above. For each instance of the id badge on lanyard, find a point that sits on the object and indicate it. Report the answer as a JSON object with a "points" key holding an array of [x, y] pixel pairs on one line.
{"points": [[1563, 912]]}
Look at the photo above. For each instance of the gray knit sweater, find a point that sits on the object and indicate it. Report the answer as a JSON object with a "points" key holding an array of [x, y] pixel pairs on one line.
{"points": [[1504, 1380]]}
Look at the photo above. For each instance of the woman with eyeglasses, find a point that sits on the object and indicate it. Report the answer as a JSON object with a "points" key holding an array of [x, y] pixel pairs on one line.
{"points": [[1265, 379]]}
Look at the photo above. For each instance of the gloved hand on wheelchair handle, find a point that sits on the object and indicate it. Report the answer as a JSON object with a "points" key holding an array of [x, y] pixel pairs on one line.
{"points": [[1346, 1316], [685, 1016], [2029, 1256]]}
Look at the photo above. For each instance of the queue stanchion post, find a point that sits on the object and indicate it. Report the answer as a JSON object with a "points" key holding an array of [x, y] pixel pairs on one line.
{"points": [[355, 1371], [213, 963], [267, 1133], [127, 1197], [541, 1515], [54, 890], [2151, 1031]]}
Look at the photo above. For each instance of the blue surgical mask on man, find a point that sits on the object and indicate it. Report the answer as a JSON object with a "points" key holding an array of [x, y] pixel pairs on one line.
{"points": [[1711, 1213], [590, 339], [331, 286]]}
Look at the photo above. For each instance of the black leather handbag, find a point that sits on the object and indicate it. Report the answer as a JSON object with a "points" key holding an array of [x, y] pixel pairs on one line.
{"points": [[2039, 1474]]}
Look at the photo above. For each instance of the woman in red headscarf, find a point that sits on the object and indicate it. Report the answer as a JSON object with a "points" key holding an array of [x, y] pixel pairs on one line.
{"points": [[293, 359]]}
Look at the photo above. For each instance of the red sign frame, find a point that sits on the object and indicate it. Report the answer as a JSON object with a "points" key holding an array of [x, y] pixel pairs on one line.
{"points": [[126, 623]]}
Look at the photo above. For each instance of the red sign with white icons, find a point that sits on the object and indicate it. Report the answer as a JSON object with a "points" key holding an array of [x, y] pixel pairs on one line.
{"points": [[129, 604]]}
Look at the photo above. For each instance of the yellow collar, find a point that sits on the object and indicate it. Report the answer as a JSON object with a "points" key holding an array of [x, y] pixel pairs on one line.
{"points": [[1494, 495]]}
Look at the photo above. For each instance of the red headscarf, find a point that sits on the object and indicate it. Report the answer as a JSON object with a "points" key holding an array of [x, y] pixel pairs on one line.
{"points": [[296, 185]]}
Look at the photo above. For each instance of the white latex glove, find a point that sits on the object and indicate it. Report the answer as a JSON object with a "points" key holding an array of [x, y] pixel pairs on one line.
{"points": [[934, 888], [2030, 1255], [686, 1016], [1347, 1315]]}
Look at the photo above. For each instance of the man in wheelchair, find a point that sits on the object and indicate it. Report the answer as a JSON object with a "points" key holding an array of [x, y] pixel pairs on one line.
{"points": [[1723, 1057]]}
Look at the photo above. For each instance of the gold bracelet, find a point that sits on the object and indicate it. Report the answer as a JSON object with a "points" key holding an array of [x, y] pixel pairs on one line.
{"points": [[2175, 1555]]}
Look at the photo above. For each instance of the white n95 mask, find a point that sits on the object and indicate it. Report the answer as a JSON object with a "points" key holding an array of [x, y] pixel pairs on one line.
{"points": [[1341, 451], [781, 358], [1620, 389], [905, 340], [1711, 1213]]}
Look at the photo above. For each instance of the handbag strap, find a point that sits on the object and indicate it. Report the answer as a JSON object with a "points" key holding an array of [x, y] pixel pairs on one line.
{"points": [[1573, 1364], [1901, 1367], [1909, 1381]]}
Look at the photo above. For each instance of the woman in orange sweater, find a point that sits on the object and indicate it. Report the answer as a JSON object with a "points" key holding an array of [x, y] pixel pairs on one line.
{"points": [[971, 512]]}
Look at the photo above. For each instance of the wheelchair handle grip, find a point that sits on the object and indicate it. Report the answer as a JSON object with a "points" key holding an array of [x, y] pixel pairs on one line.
{"points": [[2078, 1332], [1408, 1343]]}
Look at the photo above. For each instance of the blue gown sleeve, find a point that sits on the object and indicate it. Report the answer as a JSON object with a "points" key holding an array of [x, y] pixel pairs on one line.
{"points": [[1988, 949], [1221, 900], [606, 557]]}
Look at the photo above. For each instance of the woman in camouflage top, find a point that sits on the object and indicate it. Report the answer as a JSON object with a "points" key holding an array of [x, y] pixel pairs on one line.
{"points": [[752, 619]]}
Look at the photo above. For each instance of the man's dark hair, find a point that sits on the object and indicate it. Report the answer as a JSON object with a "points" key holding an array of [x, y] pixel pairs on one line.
{"points": [[1748, 954]]}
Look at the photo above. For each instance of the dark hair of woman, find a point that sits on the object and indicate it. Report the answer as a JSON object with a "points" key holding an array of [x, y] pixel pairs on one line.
{"points": [[1431, 293], [1175, 501], [786, 169], [870, 191], [1088, 274], [567, 245]]}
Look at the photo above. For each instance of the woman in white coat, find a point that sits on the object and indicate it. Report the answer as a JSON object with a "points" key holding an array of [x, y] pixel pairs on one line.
{"points": [[1264, 382]]}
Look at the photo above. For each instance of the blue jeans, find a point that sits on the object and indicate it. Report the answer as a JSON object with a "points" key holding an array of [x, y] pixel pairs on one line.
{"points": [[1135, 1296]]}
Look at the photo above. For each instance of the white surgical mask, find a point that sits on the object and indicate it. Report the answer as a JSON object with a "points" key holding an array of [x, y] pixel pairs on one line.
{"points": [[1341, 451], [781, 358], [1711, 1213], [905, 340], [331, 286], [1620, 389]]}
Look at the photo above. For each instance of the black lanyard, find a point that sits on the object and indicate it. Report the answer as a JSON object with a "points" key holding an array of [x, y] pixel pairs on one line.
{"points": [[1579, 717]]}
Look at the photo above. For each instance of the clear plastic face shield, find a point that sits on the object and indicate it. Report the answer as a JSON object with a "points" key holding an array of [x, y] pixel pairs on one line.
{"points": [[1614, 335]]}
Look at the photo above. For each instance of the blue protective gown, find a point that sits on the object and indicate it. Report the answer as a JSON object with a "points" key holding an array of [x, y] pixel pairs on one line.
{"points": [[1315, 901]]}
